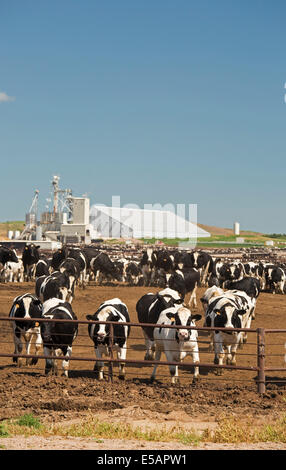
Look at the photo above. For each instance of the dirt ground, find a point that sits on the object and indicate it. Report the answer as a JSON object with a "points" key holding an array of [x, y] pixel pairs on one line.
{"points": [[136, 401]]}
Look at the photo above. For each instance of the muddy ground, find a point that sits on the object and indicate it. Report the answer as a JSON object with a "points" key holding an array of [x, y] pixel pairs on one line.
{"points": [[136, 401]]}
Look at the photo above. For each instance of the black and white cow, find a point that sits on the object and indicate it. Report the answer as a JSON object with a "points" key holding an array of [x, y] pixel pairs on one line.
{"points": [[176, 343], [72, 268], [230, 272], [250, 285], [103, 267], [113, 310], [185, 281], [6, 254], [233, 309], [276, 280], [133, 273], [201, 261], [147, 264], [42, 268], [148, 309], [58, 336], [30, 257], [58, 257], [58, 285], [13, 272], [79, 255], [28, 307]]}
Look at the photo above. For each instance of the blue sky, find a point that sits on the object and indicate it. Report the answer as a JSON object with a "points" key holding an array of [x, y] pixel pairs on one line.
{"points": [[156, 101]]}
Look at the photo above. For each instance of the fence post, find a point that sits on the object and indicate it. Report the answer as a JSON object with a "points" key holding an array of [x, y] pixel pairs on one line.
{"points": [[110, 365], [261, 360]]}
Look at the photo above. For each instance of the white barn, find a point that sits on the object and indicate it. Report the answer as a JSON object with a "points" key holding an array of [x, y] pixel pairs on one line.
{"points": [[122, 222]]}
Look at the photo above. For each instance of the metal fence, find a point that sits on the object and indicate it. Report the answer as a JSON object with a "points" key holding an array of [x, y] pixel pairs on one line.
{"points": [[259, 366]]}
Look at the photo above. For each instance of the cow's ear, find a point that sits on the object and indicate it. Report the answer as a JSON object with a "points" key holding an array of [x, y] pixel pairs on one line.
{"points": [[179, 301], [217, 311], [171, 316], [89, 317], [196, 317], [241, 312]]}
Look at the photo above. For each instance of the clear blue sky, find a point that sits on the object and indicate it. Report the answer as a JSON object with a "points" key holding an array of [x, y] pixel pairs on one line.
{"points": [[157, 101]]}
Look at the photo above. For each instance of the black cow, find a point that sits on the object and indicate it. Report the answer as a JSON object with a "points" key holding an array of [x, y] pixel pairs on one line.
{"points": [[6, 254], [133, 273], [58, 336], [26, 306], [186, 281], [72, 267], [58, 285], [102, 266], [250, 285], [113, 310], [30, 257], [149, 307], [58, 257], [42, 268]]}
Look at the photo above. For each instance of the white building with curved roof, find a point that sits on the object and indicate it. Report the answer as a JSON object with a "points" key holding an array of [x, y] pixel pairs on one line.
{"points": [[127, 222]]}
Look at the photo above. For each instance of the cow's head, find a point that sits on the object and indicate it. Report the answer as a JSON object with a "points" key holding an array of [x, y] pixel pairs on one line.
{"points": [[101, 332], [6, 254], [228, 316], [27, 306], [169, 298], [183, 317]]}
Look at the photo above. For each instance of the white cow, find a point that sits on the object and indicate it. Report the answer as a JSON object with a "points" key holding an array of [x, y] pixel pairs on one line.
{"points": [[176, 343], [13, 272]]}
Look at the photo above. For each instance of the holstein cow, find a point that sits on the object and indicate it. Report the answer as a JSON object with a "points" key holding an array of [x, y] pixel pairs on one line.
{"points": [[28, 307], [13, 272], [133, 273], [6, 254], [102, 267], [113, 310], [201, 261], [148, 308], [72, 268], [277, 280], [230, 272], [58, 336], [231, 310], [250, 285], [58, 285], [30, 257], [80, 257], [58, 257], [176, 343], [185, 281], [147, 264], [42, 268]]}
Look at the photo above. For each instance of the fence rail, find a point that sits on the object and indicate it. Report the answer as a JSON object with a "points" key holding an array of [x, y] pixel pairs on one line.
{"points": [[260, 366]]}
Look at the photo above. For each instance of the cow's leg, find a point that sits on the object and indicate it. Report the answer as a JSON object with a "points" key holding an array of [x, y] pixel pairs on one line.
{"points": [[66, 362], [18, 348], [193, 298], [49, 361], [196, 359], [150, 348], [219, 352], [28, 338], [99, 365], [122, 356], [38, 345], [158, 353]]}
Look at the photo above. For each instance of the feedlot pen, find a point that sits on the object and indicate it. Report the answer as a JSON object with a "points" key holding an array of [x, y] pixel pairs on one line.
{"points": [[260, 362]]}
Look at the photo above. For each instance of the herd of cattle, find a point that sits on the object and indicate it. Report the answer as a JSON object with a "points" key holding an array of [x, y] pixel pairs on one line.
{"points": [[229, 301]]}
